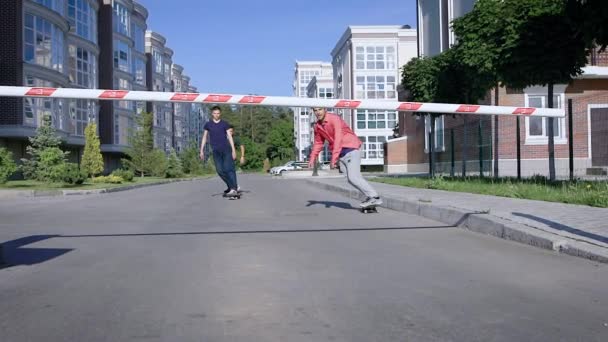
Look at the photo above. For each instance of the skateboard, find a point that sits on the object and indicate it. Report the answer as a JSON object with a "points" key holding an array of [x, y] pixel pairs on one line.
{"points": [[237, 196], [369, 209]]}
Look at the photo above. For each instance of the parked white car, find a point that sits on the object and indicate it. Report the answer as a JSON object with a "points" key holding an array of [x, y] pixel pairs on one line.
{"points": [[290, 166]]}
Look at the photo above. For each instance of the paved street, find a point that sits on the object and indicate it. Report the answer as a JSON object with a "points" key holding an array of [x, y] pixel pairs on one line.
{"points": [[287, 262]]}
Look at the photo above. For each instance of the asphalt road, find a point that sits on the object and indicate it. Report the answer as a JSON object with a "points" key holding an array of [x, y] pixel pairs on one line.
{"points": [[287, 262]]}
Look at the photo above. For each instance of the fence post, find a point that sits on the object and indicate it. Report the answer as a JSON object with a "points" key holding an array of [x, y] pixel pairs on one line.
{"points": [[518, 138], [480, 142], [452, 151], [464, 146], [570, 140]]}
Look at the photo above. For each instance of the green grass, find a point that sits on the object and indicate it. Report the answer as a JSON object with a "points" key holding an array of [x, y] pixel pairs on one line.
{"points": [[35, 185], [589, 193]]}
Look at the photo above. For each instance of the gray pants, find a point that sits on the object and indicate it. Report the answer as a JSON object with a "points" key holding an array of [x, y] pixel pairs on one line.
{"points": [[351, 165]]}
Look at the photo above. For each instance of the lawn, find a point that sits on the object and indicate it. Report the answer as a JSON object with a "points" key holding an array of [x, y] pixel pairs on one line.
{"points": [[591, 193], [35, 185]]}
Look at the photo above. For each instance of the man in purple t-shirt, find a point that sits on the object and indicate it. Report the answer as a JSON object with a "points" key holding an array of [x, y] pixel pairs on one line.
{"points": [[224, 152]]}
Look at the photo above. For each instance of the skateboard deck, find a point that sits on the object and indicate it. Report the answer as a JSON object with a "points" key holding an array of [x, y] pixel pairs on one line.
{"points": [[369, 209]]}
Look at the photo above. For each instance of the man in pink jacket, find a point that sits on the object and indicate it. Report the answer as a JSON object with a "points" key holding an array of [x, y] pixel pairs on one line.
{"points": [[344, 146]]}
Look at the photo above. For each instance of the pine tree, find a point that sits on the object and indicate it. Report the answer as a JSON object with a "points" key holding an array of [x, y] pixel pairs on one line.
{"points": [[141, 141], [92, 160], [45, 137], [174, 166]]}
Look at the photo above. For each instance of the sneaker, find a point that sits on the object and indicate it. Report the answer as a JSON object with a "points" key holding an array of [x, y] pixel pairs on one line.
{"points": [[232, 193], [226, 191], [371, 201], [238, 188]]}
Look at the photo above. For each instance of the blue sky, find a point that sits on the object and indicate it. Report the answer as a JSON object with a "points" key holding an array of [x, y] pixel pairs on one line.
{"points": [[242, 47]]}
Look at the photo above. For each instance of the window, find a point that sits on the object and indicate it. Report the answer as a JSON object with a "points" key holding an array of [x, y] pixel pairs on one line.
{"points": [[123, 84], [167, 73], [158, 61], [372, 147], [138, 33], [82, 112], [83, 67], [121, 55], [326, 93], [537, 131], [34, 109], [43, 43], [121, 18], [139, 70], [439, 134], [83, 19], [375, 87], [376, 119], [375, 57], [55, 5]]}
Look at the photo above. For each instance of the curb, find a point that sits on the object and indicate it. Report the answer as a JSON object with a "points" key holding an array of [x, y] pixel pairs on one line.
{"points": [[7, 194], [481, 222]]}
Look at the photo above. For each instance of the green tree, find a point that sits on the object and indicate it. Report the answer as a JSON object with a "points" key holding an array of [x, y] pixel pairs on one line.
{"points": [[92, 160], [46, 137], [51, 165], [589, 18], [191, 163], [254, 154], [174, 166], [524, 43], [280, 139], [420, 77], [141, 145], [7, 165]]}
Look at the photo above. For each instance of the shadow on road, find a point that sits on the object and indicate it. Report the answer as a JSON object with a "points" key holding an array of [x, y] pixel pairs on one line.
{"points": [[330, 204], [14, 254]]}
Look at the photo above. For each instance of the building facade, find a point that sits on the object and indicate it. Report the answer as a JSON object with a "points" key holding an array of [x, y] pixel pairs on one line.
{"points": [[101, 44], [367, 64], [304, 72]]}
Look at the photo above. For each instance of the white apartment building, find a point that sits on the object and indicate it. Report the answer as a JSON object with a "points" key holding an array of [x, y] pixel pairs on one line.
{"points": [[367, 63], [303, 73]]}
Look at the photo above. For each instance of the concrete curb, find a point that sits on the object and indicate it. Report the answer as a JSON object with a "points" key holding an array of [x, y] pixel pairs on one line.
{"points": [[483, 222], [7, 194]]}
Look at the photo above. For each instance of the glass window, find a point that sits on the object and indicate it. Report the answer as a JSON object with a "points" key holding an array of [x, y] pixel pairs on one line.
{"points": [[538, 126], [82, 112], [158, 61], [83, 19], [139, 70], [121, 18], [139, 39], [121, 55], [35, 109], [375, 87], [56, 5], [83, 67], [43, 43], [375, 57]]}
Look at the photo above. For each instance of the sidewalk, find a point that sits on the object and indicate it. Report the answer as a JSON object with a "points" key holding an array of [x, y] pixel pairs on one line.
{"points": [[572, 229]]}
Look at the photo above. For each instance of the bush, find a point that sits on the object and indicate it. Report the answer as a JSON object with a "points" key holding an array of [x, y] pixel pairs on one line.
{"points": [[7, 165], [111, 179], [191, 162], [126, 175], [51, 165], [174, 166], [158, 164], [72, 174]]}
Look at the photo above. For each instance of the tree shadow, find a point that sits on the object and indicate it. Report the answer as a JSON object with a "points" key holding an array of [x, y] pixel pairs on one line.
{"points": [[13, 252], [562, 227]]}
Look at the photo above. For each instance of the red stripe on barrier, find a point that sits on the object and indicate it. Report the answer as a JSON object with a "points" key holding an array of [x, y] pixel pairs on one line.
{"points": [[217, 98], [347, 104], [467, 109], [41, 91], [184, 97], [524, 111], [252, 99], [113, 94], [409, 106]]}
